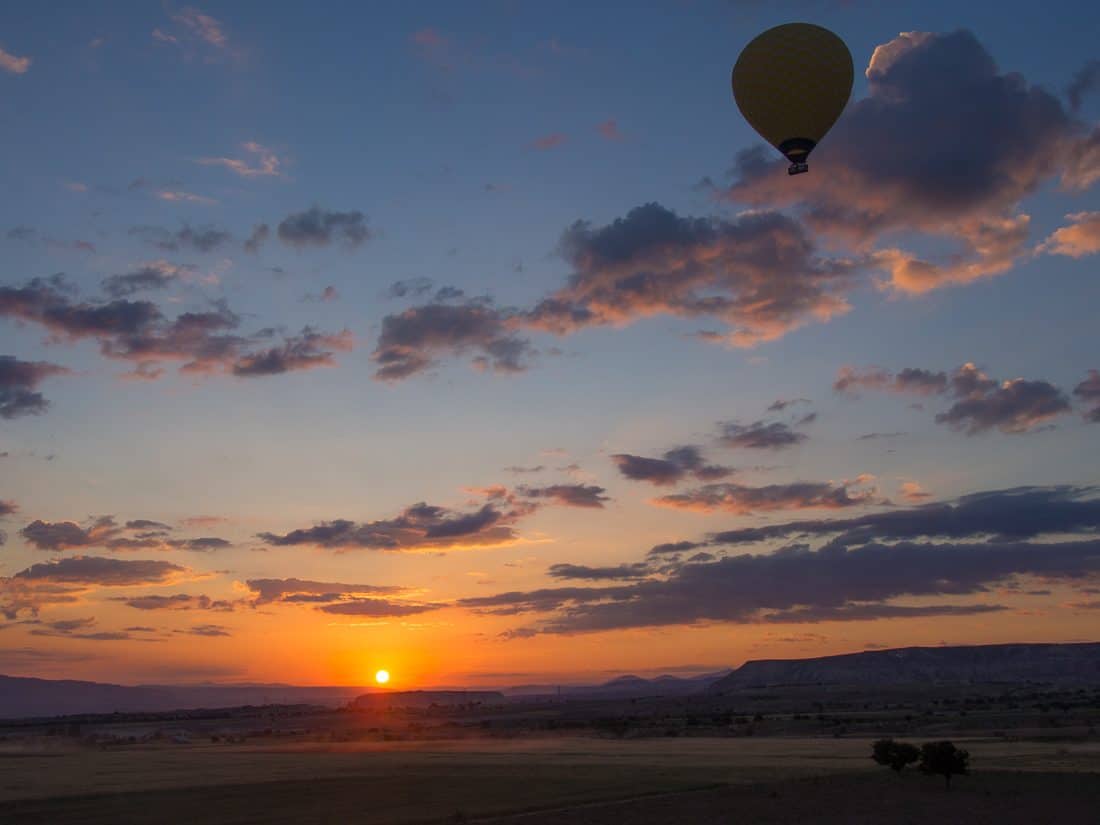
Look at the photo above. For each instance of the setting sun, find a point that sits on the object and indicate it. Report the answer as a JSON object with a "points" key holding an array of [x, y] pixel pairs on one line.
{"points": [[382, 676]]}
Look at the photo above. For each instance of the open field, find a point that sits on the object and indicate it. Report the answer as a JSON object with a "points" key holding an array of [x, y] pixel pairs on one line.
{"points": [[373, 783]]}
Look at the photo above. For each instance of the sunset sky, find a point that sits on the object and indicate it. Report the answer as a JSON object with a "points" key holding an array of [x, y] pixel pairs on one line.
{"points": [[488, 344]]}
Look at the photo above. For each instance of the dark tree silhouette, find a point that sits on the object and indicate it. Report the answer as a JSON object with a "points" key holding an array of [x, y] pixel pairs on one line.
{"points": [[945, 759], [895, 755]]}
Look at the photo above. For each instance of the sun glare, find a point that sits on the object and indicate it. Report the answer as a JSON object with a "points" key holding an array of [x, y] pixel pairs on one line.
{"points": [[382, 676]]}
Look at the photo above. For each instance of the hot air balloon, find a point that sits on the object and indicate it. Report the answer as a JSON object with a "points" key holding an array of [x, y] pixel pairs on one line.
{"points": [[791, 83]]}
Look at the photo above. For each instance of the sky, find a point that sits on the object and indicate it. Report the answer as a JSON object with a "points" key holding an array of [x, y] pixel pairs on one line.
{"points": [[489, 345]]}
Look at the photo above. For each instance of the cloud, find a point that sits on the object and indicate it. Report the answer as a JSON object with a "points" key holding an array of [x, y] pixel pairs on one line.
{"points": [[419, 527], [587, 496], [1080, 238], [908, 380], [674, 548], [21, 233], [178, 601], [1089, 392], [138, 332], [7, 508], [674, 466], [327, 295], [81, 629], [146, 524], [742, 499], [204, 521], [913, 493], [760, 435], [1016, 406], [377, 607], [66, 580], [104, 531], [981, 403], [67, 535], [337, 598], [102, 572], [781, 404], [261, 163], [153, 275], [1086, 79], [95, 636], [410, 288], [798, 584], [439, 50], [202, 26], [202, 239], [915, 156], [609, 130], [267, 591], [538, 468], [872, 612], [638, 570], [197, 34], [260, 233], [179, 196], [411, 341], [321, 227], [18, 382], [430, 527], [1002, 515], [758, 273], [207, 630], [532, 601], [428, 38], [298, 352], [551, 141], [16, 65], [70, 625]]}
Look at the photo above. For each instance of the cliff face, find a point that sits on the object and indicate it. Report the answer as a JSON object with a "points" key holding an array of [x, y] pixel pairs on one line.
{"points": [[1054, 663]]}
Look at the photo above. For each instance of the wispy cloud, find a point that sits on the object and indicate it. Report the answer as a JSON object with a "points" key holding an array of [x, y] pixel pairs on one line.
{"points": [[261, 162], [551, 141], [196, 33], [179, 196], [609, 130], [11, 63]]}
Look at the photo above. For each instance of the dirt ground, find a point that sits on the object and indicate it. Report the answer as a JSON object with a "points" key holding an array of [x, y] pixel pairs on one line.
{"points": [[981, 799], [566, 780]]}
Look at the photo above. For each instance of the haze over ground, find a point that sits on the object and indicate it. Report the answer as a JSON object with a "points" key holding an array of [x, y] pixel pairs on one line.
{"points": [[487, 345]]}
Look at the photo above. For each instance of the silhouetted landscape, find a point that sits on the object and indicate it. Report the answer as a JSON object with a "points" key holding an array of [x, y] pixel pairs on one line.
{"points": [[800, 731]]}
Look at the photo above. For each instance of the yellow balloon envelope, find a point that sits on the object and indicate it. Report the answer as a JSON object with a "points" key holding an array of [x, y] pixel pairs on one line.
{"points": [[791, 83]]}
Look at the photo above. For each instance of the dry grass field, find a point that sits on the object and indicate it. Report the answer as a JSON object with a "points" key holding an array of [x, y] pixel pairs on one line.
{"points": [[553, 780]]}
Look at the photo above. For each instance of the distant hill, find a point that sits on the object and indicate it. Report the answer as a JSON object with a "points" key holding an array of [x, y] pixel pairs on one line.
{"points": [[22, 697], [426, 698], [1012, 663], [623, 687]]}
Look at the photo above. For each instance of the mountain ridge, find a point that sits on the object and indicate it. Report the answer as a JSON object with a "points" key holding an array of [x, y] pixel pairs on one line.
{"points": [[1055, 662]]}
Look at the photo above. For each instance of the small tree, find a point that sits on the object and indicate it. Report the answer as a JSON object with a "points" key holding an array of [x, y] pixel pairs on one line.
{"points": [[945, 759], [895, 755]]}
